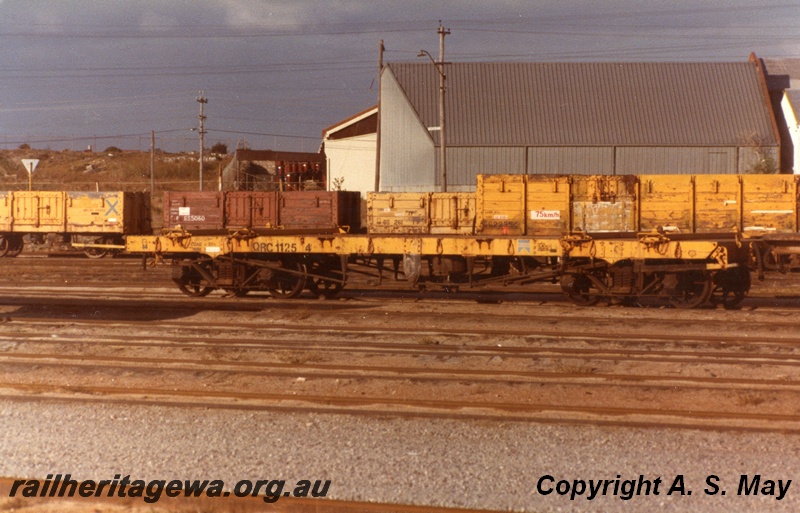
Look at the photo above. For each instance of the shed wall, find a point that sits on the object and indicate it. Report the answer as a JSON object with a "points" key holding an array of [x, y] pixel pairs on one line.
{"points": [[570, 161], [407, 152], [794, 132], [465, 164], [676, 160]]}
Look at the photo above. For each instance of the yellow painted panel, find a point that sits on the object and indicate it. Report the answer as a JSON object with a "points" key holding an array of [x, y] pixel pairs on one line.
{"points": [[95, 212], [717, 203], [548, 205], [665, 201], [769, 203], [501, 205], [401, 212], [5, 211], [452, 212], [38, 211]]}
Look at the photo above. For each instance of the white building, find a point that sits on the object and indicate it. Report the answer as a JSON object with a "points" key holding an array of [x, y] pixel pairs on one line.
{"points": [[783, 82], [350, 149], [790, 105]]}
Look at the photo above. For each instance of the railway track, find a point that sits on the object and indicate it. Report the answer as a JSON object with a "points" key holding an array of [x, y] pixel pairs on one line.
{"points": [[631, 347], [370, 318], [118, 341], [513, 392]]}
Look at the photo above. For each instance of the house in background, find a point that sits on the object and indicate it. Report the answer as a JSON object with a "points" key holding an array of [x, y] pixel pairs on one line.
{"points": [[267, 170], [574, 118], [350, 147]]}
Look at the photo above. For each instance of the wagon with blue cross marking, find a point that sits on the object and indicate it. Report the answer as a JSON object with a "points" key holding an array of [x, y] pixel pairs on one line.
{"points": [[96, 222]]}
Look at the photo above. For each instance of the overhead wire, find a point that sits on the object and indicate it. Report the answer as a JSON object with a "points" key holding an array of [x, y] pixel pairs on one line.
{"points": [[602, 24]]}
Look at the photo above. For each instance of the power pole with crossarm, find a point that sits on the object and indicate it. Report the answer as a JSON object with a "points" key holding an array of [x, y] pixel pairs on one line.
{"points": [[202, 101]]}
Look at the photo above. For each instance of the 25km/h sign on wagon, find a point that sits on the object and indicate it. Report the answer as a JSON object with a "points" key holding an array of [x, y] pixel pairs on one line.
{"points": [[30, 167]]}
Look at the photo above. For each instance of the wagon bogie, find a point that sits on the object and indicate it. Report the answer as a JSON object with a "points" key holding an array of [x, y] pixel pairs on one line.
{"points": [[680, 284]]}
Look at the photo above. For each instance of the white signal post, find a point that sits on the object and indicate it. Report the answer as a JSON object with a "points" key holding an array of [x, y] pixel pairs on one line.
{"points": [[30, 166]]}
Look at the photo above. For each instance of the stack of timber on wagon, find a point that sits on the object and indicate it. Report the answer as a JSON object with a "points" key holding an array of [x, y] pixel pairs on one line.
{"points": [[101, 217], [262, 212]]}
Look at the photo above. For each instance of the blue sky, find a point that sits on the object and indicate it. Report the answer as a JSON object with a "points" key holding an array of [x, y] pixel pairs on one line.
{"points": [[276, 73]]}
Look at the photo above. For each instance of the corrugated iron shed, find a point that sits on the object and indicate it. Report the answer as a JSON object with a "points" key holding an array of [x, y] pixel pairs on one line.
{"points": [[591, 104]]}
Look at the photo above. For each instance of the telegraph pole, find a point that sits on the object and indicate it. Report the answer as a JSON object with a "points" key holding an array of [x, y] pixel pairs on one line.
{"points": [[442, 76], [152, 161], [381, 49], [202, 101], [442, 149]]}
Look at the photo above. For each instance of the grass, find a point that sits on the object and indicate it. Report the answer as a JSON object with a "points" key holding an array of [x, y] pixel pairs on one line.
{"points": [[126, 171]]}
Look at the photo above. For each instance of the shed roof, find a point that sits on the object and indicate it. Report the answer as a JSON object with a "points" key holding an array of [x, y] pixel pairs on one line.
{"points": [[591, 104], [274, 156], [365, 122]]}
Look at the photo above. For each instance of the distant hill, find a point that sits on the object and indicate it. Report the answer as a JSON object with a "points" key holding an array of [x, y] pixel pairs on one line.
{"points": [[109, 171]]}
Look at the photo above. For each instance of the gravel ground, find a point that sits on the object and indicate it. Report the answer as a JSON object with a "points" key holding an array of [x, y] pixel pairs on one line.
{"points": [[459, 463], [475, 464]]}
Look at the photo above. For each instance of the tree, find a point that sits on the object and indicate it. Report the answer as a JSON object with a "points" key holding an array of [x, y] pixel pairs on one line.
{"points": [[764, 161], [220, 148]]}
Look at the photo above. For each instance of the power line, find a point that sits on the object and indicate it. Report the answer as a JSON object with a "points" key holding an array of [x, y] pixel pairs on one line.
{"points": [[265, 134], [88, 137]]}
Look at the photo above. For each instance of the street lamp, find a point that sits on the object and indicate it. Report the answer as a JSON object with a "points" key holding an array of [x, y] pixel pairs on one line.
{"points": [[442, 148]]}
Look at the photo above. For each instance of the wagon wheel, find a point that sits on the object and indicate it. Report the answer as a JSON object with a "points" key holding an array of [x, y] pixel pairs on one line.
{"points": [[195, 290], [5, 245], [321, 287], [694, 289], [95, 253], [731, 287], [192, 283], [10, 245], [287, 285], [579, 289], [15, 245]]}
